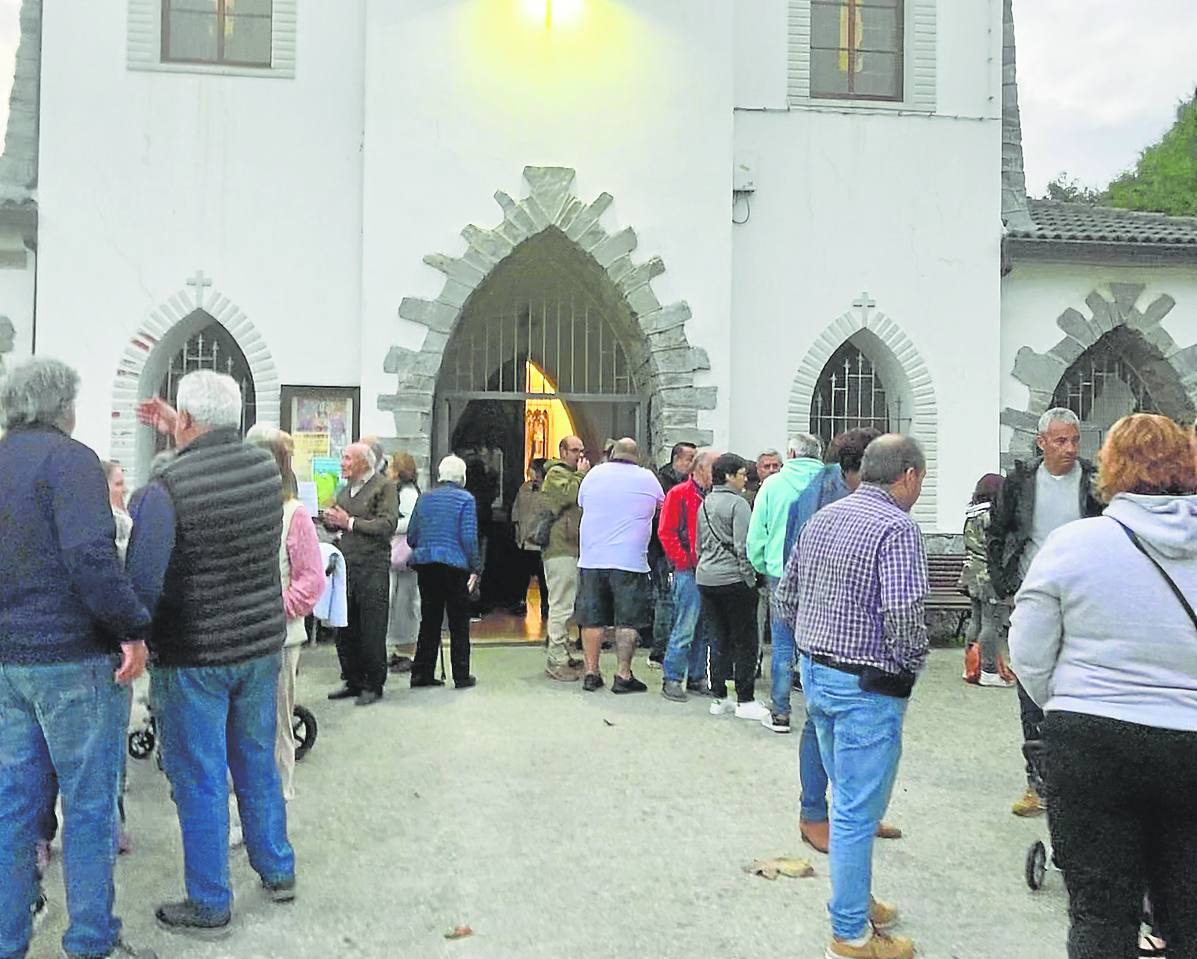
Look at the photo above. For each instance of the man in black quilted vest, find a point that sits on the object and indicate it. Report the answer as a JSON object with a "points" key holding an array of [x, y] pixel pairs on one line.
{"points": [[204, 557]]}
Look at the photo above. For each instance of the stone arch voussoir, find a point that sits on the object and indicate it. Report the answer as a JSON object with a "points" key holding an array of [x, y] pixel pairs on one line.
{"points": [[156, 328], [1041, 373], [924, 415], [669, 365]]}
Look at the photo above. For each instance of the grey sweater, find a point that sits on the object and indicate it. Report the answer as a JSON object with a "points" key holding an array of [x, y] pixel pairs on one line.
{"points": [[1097, 630], [722, 539]]}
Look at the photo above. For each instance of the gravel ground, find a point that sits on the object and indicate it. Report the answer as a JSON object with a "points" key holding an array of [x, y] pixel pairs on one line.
{"points": [[562, 824]]}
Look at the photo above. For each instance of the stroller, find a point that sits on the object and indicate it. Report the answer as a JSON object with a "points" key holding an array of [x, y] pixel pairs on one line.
{"points": [[1040, 854]]}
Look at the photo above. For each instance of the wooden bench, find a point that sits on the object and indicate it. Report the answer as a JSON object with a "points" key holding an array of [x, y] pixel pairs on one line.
{"points": [[943, 575]]}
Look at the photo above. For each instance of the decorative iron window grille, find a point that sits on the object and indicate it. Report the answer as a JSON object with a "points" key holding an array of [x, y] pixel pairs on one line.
{"points": [[571, 340], [1102, 386], [213, 348], [850, 395]]}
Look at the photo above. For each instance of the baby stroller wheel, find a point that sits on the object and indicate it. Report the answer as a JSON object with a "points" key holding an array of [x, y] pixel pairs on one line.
{"points": [[303, 726], [141, 743], [1036, 865]]}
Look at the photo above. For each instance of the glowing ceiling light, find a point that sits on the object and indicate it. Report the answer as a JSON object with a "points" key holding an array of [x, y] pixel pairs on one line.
{"points": [[553, 12]]}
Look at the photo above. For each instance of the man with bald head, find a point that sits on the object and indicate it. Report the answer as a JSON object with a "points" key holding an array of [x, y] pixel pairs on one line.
{"points": [[619, 500], [367, 512]]}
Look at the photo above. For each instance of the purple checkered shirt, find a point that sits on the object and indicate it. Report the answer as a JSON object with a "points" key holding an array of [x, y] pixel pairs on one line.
{"points": [[854, 586]]}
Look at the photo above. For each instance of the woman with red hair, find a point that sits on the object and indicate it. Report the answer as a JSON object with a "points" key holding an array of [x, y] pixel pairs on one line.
{"points": [[1104, 639]]}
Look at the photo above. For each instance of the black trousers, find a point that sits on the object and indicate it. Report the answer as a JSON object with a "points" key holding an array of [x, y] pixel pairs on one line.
{"points": [[1032, 725], [663, 604], [1120, 807], [443, 592], [729, 615], [534, 566], [362, 645]]}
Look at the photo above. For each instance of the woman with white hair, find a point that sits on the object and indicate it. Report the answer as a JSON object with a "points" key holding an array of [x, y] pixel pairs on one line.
{"points": [[443, 536]]}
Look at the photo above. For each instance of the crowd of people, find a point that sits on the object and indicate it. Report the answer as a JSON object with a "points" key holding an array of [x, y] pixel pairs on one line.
{"points": [[1082, 583]]}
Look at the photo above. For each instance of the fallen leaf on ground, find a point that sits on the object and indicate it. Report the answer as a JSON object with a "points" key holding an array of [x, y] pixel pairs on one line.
{"points": [[608, 722], [459, 932], [787, 866]]}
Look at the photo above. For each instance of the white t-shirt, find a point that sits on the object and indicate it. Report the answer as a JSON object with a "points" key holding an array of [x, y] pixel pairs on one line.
{"points": [[619, 501], [1057, 501]]}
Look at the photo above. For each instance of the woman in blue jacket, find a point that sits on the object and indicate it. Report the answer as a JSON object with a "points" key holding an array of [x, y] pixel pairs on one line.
{"points": [[443, 536]]}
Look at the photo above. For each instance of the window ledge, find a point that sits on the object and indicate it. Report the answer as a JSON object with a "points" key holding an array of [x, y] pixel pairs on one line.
{"points": [[216, 70]]}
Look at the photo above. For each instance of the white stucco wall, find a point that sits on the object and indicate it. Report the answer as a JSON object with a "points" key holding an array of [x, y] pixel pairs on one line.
{"points": [[16, 302], [637, 98], [1036, 292], [762, 47], [148, 177]]}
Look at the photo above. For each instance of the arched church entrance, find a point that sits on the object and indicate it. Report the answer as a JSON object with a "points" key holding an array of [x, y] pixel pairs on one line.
{"points": [[1120, 374], [540, 353]]}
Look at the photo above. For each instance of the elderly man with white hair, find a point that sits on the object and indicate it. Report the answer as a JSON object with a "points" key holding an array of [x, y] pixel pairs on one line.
{"points": [[204, 557], [766, 552], [367, 512], [71, 639], [443, 536]]}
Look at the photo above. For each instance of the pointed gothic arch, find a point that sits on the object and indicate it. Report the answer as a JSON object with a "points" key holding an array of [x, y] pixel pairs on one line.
{"points": [[900, 367], [1115, 321], [661, 359], [148, 354]]}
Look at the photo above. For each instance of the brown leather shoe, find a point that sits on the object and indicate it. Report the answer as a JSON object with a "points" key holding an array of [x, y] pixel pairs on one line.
{"points": [[817, 835], [886, 831]]}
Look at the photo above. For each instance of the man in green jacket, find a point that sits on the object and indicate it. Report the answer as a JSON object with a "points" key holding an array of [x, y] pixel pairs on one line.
{"points": [[766, 552], [559, 495]]}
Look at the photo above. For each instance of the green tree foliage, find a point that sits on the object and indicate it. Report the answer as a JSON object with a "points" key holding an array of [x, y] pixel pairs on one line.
{"points": [[1165, 178], [1071, 190]]}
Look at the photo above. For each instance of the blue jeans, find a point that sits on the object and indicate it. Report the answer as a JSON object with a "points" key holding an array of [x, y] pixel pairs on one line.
{"points": [[811, 775], [214, 718], [61, 721], [782, 664], [860, 737], [686, 656]]}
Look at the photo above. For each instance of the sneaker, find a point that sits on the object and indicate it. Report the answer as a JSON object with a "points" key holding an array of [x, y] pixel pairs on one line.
{"points": [[882, 915], [878, 946], [188, 919], [721, 706], [563, 674], [655, 663], [756, 711], [592, 682], [619, 685], [577, 664], [282, 890], [672, 690], [399, 664], [996, 680], [698, 687], [779, 724], [1029, 804]]}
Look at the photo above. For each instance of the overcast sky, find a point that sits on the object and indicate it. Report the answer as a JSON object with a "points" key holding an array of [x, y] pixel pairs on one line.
{"points": [[1098, 79]]}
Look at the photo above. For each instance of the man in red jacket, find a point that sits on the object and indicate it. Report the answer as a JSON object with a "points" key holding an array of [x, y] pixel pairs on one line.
{"points": [[686, 656]]}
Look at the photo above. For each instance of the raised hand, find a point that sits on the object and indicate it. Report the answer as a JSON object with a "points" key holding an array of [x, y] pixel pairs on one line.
{"points": [[156, 412]]}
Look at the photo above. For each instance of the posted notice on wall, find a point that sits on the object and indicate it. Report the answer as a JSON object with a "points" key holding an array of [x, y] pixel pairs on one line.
{"points": [[308, 447]]}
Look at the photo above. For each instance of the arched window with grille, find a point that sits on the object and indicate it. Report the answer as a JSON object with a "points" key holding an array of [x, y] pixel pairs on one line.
{"points": [[212, 348], [1118, 375], [850, 394]]}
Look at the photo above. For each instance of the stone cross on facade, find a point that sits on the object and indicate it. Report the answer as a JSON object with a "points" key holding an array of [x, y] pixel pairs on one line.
{"points": [[864, 303], [200, 283]]}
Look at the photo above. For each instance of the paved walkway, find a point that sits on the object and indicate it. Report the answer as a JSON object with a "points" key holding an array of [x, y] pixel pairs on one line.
{"points": [[587, 826]]}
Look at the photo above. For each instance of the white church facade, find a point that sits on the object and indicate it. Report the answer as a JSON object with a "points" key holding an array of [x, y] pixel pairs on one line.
{"points": [[702, 220]]}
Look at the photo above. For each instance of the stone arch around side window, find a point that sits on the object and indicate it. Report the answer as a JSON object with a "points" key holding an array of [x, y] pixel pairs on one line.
{"points": [[1041, 373], [157, 339], [660, 353], [903, 371]]}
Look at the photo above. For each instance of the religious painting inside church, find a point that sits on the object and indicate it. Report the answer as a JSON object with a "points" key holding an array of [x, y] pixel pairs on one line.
{"points": [[212, 348], [322, 420], [850, 395]]}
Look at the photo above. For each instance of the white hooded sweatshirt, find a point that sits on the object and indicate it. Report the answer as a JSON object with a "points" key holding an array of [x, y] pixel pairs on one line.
{"points": [[1096, 628]]}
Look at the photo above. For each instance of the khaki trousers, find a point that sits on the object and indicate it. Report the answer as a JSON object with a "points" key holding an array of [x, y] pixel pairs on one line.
{"points": [[561, 573], [284, 740]]}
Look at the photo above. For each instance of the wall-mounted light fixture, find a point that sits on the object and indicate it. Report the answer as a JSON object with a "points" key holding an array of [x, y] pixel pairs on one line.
{"points": [[553, 12]]}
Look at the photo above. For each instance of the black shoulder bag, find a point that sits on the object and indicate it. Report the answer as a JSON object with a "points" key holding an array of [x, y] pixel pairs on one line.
{"points": [[1130, 534]]}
